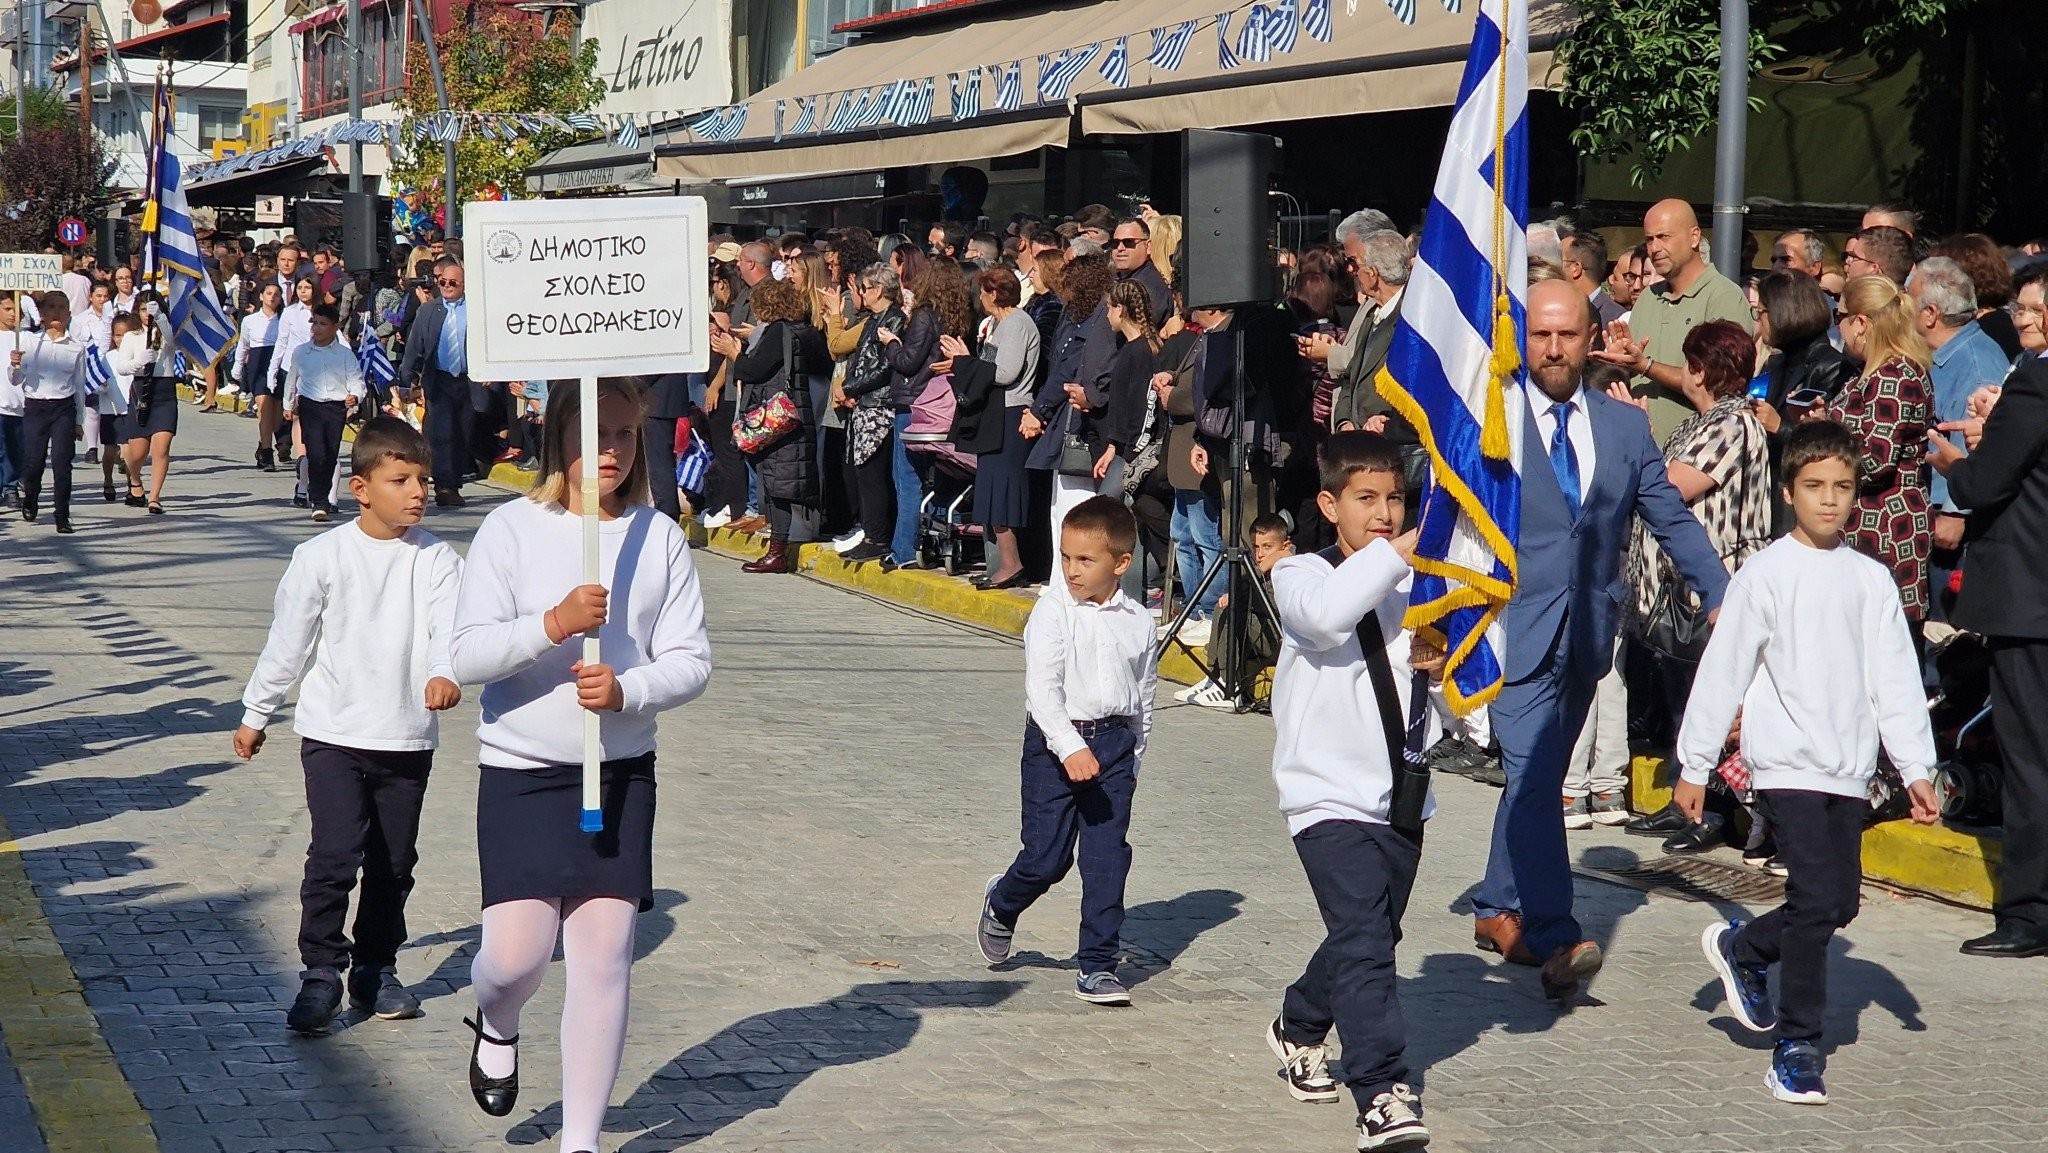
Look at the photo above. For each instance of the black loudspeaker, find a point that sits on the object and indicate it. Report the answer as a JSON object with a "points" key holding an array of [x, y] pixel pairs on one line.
{"points": [[316, 222], [113, 238], [365, 231], [1228, 218]]}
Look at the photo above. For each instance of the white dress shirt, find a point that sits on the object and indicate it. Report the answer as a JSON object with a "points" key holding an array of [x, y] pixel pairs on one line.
{"points": [[1085, 661], [294, 328], [323, 372], [1580, 430], [10, 388], [52, 369]]}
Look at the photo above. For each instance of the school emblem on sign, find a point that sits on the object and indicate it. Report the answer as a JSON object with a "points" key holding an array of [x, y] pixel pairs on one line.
{"points": [[503, 246]]}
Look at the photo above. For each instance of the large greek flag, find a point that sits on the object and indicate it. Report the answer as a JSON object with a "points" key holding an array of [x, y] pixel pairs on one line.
{"points": [[1455, 368], [200, 324]]}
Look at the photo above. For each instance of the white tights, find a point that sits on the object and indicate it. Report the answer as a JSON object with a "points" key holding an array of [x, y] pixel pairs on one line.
{"points": [[597, 946]]}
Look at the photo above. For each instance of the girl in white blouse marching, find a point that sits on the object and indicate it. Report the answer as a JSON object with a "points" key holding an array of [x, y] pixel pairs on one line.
{"points": [[518, 630]]}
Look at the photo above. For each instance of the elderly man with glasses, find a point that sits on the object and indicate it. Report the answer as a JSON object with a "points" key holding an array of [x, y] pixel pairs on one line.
{"points": [[437, 360]]}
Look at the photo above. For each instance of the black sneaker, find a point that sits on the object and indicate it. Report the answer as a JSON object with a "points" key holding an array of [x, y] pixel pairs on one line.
{"points": [[1393, 1122], [865, 553], [991, 934], [381, 994], [301, 502], [1450, 755], [1795, 1074], [1306, 1068], [319, 997], [1101, 989]]}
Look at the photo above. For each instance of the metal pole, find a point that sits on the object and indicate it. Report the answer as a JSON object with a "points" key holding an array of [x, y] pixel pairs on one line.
{"points": [[1733, 147], [426, 25], [85, 74], [355, 91], [20, 68], [127, 82]]}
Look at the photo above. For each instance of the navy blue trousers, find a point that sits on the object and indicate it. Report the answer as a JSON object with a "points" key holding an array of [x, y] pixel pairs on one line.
{"points": [[1528, 869], [1820, 839], [1060, 814], [1361, 875]]}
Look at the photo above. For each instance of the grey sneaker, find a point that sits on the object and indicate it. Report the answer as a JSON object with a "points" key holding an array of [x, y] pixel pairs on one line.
{"points": [[381, 994], [1607, 809], [1577, 813], [1306, 1068], [992, 935], [1101, 989], [1393, 1122]]}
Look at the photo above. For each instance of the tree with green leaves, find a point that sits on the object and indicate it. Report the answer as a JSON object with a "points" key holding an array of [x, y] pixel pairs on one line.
{"points": [[47, 175], [46, 109], [1644, 75], [495, 61]]}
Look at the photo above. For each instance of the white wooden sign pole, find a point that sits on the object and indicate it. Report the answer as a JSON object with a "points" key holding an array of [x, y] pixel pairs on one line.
{"points": [[593, 748], [580, 289]]}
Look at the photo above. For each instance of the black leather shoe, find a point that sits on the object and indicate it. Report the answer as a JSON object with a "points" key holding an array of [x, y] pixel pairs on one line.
{"points": [[381, 994], [1696, 838], [319, 997], [1662, 823], [2008, 940], [494, 1095], [64, 526]]}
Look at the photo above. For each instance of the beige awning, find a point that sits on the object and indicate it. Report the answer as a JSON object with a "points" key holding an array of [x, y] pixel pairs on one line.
{"points": [[1373, 63]]}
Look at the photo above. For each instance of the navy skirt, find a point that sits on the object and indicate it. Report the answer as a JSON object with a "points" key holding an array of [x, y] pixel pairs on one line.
{"points": [[1002, 490], [530, 847], [162, 403]]}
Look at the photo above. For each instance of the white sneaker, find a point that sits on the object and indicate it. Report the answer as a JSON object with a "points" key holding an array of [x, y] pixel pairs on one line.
{"points": [[1577, 814], [1393, 1122], [1195, 633], [850, 541], [1305, 1068], [1187, 694], [1212, 696], [718, 519]]}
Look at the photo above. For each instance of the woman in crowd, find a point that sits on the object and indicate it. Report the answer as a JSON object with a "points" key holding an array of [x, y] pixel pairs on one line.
{"points": [[1792, 319], [870, 419], [1984, 263], [936, 304], [150, 355], [124, 290], [1113, 428], [1045, 307], [1085, 282], [253, 351], [807, 272], [2029, 310], [784, 357], [725, 484], [1886, 407], [1001, 489]]}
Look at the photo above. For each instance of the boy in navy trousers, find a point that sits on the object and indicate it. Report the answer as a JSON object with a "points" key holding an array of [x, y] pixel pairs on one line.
{"points": [[1088, 683]]}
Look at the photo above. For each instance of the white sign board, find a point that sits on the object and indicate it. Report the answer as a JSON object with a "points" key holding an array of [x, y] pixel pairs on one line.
{"points": [[661, 56], [572, 288], [31, 272]]}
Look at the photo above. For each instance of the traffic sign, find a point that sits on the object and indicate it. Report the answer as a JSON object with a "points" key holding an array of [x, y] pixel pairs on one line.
{"points": [[71, 231]]}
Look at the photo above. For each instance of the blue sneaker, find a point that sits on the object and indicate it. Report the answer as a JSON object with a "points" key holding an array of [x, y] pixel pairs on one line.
{"points": [[1748, 987], [1795, 1074], [1102, 989]]}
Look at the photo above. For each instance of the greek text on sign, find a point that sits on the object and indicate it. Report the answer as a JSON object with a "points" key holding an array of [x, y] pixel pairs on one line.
{"points": [[571, 288], [31, 272]]}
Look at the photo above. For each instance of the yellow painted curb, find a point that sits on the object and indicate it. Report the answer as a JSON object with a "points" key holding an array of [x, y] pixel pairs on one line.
{"points": [[1932, 859], [80, 1096]]}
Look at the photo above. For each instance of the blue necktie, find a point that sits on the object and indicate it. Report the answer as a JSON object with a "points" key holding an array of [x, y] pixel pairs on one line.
{"points": [[1563, 461]]}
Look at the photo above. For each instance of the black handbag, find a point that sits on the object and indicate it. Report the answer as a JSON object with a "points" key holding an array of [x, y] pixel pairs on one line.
{"points": [[1076, 458], [1676, 626]]}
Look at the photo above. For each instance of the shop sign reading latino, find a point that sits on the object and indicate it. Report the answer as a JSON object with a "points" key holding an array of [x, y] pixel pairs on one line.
{"points": [[574, 288]]}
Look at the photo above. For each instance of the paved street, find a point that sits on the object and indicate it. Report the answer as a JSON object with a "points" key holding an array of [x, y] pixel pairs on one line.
{"points": [[829, 813]]}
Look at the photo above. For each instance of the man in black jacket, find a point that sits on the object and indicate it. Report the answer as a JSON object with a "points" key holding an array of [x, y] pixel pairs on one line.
{"points": [[668, 401], [2004, 482], [437, 356], [1130, 253]]}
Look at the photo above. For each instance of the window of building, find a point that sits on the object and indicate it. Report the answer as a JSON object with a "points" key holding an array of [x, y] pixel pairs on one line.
{"points": [[218, 122], [324, 87]]}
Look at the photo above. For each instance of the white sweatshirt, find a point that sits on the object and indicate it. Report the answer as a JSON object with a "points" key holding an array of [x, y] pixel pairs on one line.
{"points": [[1330, 757], [526, 557], [1812, 647], [367, 623]]}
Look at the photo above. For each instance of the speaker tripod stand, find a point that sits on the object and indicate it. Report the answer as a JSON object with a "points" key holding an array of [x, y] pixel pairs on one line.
{"points": [[1234, 564]]}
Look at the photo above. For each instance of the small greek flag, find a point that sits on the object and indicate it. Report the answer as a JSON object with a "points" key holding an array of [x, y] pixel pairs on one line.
{"points": [[1252, 44], [1054, 85], [1283, 26], [731, 122], [180, 367], [448, 128], [895, 95], [966, 94], [1404, 10], [581, 122], [806, 116], [1315, 19], [1170, 46], [98, 373], [842, 116], [629, 133], [706, 123], [781, 106], [1116, 67], [1010, 86], [1225, 58], [881, 104], [917, 110], [376, 363], [694, 465]]}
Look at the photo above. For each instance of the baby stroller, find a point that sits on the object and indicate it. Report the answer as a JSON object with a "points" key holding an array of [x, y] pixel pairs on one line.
{"points": [[945, 538], [1969, 778]]}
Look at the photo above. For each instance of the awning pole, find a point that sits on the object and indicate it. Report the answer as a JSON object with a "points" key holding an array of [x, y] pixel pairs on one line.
{"points": [[426, 24], [1733, 148]]}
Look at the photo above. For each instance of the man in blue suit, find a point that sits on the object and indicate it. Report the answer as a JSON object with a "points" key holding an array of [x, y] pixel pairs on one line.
{"points": [[437, 357], [1589, 468]]}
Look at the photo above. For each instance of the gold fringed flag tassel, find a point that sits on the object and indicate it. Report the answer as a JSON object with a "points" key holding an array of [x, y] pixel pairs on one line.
{"points": [[1507, 361]]}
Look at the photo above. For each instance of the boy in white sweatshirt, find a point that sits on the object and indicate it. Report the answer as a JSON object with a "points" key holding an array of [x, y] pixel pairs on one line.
{"points": [[365, 614], [1811, 650], [1342, 643]]}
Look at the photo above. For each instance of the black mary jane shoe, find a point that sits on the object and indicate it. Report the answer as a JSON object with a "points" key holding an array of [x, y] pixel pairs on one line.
{"points": [[494, 1095], [135, 499], [1009, 582]]}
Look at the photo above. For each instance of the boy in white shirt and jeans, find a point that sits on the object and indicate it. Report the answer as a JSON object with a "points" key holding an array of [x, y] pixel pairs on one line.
{"points": [[365, 614], [1812, 651], [1088, 682], [1340, 691]]}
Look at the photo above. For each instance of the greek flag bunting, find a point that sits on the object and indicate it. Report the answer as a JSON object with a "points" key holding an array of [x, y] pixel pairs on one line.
{"points": [[1455, 368], [1283, 26], [842, 116], [1010, 86], [1225, 58], [781, 109], [376, 363], [581, 121], [198, 322], [966, 94], [882, 105], [732, 121], [706, 123], [1316, 20], [1054, 85], [1170, 46], [806, 116], [629, 133], [1404, 10], [917, 109], [1116, 67], [1252, 44]]}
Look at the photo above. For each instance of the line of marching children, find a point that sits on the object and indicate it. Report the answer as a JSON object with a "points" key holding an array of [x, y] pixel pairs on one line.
{"points": [[380, 623]]}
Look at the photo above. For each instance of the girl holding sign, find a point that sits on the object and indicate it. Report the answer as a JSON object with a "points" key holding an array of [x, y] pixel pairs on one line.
{"points": [[519, 620]]}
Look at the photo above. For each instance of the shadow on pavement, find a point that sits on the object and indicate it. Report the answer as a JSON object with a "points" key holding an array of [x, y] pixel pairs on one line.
{"points": [[1157, 932], [1854, 985], [754, 1064]]}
